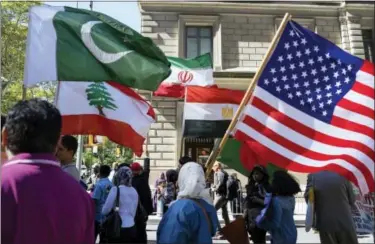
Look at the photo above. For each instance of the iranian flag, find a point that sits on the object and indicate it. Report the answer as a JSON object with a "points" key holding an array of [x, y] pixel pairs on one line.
{"points": [[69, 44], [107, 109], [186, 72], [208, 111]]}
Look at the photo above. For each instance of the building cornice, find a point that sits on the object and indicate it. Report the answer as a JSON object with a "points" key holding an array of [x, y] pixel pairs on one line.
{"points": [[239, 8], [363, 10]]}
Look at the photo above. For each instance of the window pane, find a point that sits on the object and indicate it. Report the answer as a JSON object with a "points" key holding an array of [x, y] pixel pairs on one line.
{"points": [[206, 45], [205, 32], [192, 31], [191, 47]]}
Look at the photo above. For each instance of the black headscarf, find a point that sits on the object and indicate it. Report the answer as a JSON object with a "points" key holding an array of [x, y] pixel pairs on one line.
{"points": [[264, 181]]}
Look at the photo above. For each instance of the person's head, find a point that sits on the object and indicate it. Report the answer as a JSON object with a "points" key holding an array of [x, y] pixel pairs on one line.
{"points": [[185, 159], [136, 168], [126, 163], [115, 166], [234, 176], [217, 166], [258, 174], [283, 184], [32, 126], [3, 152], [191, 181], [67, 149], [162, 176], [171, 176], [123, 176], [104, 171], [95, 169]]}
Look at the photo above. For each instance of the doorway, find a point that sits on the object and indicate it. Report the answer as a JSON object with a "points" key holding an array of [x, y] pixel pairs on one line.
{"points": [[198, 148]]}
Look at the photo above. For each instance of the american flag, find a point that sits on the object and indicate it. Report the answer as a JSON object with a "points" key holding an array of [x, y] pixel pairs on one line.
{"points": [[313, 109]]}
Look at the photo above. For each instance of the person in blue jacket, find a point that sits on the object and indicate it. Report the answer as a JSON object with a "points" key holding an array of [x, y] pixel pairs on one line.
{"points": [[278, 217], [192, 217]]}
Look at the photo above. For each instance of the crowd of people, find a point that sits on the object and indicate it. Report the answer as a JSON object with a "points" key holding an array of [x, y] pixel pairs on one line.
{"points": [[45, 201]]}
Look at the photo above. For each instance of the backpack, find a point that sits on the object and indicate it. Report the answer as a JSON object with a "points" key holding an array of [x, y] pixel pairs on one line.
{"points": [[222, 190], [112, 224], [232, 189]]}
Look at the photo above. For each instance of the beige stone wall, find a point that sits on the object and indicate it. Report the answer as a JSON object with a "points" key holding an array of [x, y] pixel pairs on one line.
{"points": [[163, 29], [245, 40], [329, 28]]}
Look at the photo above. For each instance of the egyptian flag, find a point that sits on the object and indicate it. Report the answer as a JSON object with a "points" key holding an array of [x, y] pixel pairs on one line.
{"points": [[208, 111]]}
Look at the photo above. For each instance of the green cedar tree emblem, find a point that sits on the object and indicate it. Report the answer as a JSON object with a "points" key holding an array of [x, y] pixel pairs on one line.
{"points": [[99, 97]]}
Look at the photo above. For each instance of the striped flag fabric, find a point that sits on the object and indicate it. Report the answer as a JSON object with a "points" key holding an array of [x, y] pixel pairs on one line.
{"points": [[313, 109], [208, 111]]}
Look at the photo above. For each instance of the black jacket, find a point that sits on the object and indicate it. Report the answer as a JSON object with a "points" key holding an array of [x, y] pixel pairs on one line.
{"points": [[140, 183]]}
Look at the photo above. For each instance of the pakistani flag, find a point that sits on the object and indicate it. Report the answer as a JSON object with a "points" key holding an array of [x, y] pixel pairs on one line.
{"points": [[68, 44]]}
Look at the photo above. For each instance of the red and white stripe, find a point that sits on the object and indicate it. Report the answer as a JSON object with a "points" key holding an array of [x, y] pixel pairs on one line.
{"points": [[299, 142]]}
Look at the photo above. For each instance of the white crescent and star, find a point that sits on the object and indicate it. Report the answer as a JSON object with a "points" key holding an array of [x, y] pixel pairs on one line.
{"points": [[101, 55]]}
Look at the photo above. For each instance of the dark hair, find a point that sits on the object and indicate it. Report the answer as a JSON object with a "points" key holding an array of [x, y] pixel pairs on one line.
{"points": [[3, 120], [70, 143], [284, 184], [171, 175], [185, 159], [104, 170], [33, 126]]}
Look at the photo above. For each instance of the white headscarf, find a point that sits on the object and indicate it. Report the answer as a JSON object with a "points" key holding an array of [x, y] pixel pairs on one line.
{"points": [[192, 183]]}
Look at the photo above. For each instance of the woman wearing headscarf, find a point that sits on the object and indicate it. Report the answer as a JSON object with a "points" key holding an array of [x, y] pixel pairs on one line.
{"points": [[256, 189], [192, 217], [128, 203]]}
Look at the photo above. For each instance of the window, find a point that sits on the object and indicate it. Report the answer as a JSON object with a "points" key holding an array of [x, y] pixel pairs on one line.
{"points": [[198, 41], [368, 45]]}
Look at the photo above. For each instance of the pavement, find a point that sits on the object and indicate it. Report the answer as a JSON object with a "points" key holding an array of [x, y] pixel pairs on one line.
{"points": [[302, 237]]}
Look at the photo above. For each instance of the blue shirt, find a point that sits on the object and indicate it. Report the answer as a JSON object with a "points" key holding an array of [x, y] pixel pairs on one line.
{"points": [[185, 222], [100, 194]]}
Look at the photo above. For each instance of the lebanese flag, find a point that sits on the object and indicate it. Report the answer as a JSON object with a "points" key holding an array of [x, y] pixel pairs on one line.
{"points": [[186, 72], [107, 109]]}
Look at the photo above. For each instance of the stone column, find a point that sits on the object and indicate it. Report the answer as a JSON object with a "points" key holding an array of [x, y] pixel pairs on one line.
{"points": [[344, 30], [355, 36]]}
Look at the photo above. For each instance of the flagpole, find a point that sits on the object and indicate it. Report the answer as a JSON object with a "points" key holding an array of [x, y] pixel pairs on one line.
{"points": [[148, 136], [247, 96], [80, 137]]}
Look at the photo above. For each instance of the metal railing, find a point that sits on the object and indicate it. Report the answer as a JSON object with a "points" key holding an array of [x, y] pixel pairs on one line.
{"points": [[300, 208]]}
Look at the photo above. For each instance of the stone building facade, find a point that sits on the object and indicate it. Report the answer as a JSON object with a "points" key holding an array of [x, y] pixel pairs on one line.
{"points": [[237, 35]]}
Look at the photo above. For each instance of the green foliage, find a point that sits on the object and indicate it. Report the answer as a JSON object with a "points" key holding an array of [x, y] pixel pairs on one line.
{"points": [[14, 19], [107, 154]]}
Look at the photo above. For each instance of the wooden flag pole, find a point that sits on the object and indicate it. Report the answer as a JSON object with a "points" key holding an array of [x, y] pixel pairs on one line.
{"points": [[148, 136], [247, 96]]}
